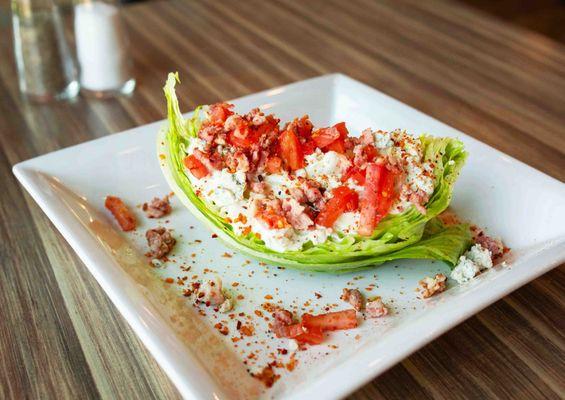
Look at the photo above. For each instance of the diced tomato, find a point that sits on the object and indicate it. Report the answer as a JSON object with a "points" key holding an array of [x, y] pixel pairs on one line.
{"points": [[195, 166], [310, 336], [121, 212], [338, 146], [387, 195], [308, 147], [273, 165], [291, 150], [332, 321], [378, 196], [356, 174], [299, 332], [273, 220], [371, 152], [325, 136], [241, 137], [219, 112], [342, 129], [344, 199]]}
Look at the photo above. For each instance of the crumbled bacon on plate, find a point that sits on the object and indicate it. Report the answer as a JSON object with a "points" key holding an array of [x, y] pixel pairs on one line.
{"points": [[353, 297], [157, 207], [121, 213], [375, 308], [267, 376], [431, 286], [160, 242]]}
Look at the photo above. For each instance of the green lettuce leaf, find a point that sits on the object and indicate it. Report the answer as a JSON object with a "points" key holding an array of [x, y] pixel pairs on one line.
{"points": [[407, 235]]}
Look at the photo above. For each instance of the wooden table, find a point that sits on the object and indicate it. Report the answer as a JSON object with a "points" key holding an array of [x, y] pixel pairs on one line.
{"points": [[60, 337]]}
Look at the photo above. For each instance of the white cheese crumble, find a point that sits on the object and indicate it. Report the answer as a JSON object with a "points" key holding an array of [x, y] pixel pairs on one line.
{"points": [[280, 184], [472, 263], [347, 222], [288, 239], [480, 256], [221, 188], [326, 168]]}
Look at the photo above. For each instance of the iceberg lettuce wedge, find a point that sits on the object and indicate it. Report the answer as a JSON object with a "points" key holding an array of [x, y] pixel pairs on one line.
{"points": [[410, 234]]}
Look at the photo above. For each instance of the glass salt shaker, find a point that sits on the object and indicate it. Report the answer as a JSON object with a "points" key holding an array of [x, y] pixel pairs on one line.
{"points": [[46, 67], [102, 49]]}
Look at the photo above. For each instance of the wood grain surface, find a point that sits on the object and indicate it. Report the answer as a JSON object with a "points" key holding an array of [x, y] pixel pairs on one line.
{"points": [[61, 338]]}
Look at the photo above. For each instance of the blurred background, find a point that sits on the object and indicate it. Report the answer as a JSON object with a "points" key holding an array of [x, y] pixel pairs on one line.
{"points": [[63, 46]]}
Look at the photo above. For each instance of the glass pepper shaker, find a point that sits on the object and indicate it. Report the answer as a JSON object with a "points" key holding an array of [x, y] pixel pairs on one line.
{"points": [[102, 49], [46, 67]]}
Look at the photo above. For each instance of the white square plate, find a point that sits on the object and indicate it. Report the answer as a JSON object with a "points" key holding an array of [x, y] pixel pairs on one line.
{"points": [[511, 200]]}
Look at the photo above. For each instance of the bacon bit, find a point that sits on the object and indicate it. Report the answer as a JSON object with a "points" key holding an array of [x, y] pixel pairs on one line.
{"points": [[157, 208], [121, 213], [187, 292], [247, 330], [170, 280], [291, 364], [353, 297], [318, 295], [235, 339], [269, 307], [431, 286], [376, 308], [283, 316], [267, 376], [268, 297], [240, 297], [227, 255], [160, 242], [224, 330], [246, 231], [214, 236], [258, 313], [241, 218]]}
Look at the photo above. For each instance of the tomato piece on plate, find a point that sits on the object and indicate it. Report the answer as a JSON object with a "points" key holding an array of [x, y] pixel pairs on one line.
{"points": [[219, 112], [291, 150], [387, 195], [308, 147], [344, 199], [121, 212], [342, 129], [378, 197], [371, 152], [332, 321], [300, 333], [310, 336], [325, 136], [195, 166], [356, 174], [338, 146], [273, 165], [242, 137]]}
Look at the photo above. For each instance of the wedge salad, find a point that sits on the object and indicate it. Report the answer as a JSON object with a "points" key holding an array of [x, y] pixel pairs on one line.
{"points": [[315, 198]]}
